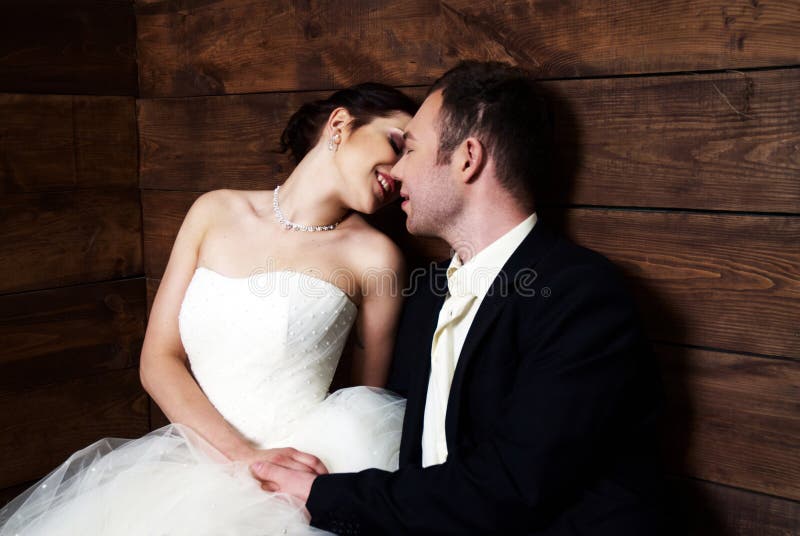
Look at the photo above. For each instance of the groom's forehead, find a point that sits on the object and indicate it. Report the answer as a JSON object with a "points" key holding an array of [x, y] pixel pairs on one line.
{"points": [[426, 117]]}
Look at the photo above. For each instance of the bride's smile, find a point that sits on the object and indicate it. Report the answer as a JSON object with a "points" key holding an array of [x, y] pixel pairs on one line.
{"points": [[370, 152]]}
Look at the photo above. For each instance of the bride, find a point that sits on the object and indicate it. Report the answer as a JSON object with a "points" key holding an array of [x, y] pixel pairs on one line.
{"points": [[261, 291]]}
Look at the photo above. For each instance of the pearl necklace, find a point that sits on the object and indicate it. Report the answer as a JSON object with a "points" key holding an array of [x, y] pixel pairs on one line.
{"points": [[290, 225]]}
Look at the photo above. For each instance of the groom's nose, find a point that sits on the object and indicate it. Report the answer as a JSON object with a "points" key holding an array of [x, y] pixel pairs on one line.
{"points": [[397, 170]]}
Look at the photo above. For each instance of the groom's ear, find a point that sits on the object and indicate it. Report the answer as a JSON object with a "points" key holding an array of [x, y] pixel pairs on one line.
{"points": [[470, 158]]}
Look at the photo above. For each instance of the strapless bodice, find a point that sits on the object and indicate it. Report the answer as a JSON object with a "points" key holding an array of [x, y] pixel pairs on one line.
{"points": [[264, 348]]}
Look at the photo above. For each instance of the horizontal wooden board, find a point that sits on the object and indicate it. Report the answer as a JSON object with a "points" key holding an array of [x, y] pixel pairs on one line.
{"points": [[162, 215], [63, 142], [717, 280], [713, 141], [58, 334], [83, 46], [55, 239], [42, 427], [726, 281], [698, 508], [204, 143], [205, 47], [732, 418]]}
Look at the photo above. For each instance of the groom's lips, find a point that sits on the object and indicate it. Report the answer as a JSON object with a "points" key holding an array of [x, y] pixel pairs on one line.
{"points": [[404, 197]]}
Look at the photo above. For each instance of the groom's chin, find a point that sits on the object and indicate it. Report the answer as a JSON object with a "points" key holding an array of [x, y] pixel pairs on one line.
{"points": [[410, 225], [413, 225], [415, 231]]}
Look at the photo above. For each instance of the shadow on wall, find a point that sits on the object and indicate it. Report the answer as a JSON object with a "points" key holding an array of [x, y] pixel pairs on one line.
{"points": [[685, 498]]}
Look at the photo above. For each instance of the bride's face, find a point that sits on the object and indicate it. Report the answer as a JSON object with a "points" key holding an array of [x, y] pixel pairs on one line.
{"points": [[364, 158]]}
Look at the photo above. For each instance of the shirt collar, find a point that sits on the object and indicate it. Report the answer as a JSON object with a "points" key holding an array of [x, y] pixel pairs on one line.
{"points": [[477, 275]]}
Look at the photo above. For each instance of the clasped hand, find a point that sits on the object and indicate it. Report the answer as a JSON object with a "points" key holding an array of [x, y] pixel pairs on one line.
{"points": [[286, 470]]}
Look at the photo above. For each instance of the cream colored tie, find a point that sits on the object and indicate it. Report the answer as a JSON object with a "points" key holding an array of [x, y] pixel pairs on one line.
{"points": [[443, 364]]}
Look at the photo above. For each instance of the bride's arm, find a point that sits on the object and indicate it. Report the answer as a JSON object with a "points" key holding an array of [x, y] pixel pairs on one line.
{"points": [[164, 366], [382, 281]]}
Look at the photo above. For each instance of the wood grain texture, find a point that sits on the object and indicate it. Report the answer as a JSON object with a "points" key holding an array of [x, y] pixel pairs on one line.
{"points": [[162, 216], [204, 143], [55, 239], [42, 427], [698, 508], [209, 47], [706, 141], [726, 281], [732, 418], [62, 142], [712, 141], [83, 46], [60, 334]]}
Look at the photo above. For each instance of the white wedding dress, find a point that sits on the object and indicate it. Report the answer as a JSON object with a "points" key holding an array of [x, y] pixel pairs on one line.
{"points": [[264, 349]]}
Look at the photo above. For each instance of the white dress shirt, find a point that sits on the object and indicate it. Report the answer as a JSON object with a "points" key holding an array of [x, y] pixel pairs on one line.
{"points": [[468, 284]]}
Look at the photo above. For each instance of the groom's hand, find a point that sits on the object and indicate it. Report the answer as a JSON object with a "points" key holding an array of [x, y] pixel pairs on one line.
{"points": [[276, 477]]}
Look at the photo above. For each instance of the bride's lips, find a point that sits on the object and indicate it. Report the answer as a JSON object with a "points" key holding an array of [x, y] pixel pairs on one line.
{"points": [[386, 184]]}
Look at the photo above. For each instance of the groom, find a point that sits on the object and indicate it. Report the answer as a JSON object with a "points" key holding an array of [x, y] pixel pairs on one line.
{"points": [[532, 391]]}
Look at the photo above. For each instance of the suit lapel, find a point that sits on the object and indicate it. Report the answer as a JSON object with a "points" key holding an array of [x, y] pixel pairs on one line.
{"points": [[532, 248]]}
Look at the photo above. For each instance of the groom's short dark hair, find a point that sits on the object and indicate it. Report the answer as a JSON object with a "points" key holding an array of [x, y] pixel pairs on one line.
{"points": [[504, 108]]}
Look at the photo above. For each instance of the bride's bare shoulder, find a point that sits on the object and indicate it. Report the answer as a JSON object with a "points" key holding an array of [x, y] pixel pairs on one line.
{"points": [[372, 249]]}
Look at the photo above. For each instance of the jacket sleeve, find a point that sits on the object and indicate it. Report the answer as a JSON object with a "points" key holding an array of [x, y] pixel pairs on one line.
{"points": [[575, 391]]}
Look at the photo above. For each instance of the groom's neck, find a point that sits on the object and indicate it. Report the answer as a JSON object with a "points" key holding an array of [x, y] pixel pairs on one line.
{"points": [[480, 224]]}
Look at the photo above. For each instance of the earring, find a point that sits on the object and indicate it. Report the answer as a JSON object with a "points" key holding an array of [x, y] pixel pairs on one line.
{"points": [[333, 143]]}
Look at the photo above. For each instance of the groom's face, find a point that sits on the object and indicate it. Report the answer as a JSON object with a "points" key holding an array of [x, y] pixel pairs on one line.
{"points": [[430, 197]]}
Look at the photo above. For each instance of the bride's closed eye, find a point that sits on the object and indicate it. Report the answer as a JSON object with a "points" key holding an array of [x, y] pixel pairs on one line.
{"points": [[397, 142]]}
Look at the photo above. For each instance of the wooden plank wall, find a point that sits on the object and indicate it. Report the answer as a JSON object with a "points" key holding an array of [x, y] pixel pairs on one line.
{"points": [[678, 132], [72, 288]]}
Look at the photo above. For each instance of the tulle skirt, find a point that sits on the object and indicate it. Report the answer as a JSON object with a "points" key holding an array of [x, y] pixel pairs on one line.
{"points": [[173, 482]]}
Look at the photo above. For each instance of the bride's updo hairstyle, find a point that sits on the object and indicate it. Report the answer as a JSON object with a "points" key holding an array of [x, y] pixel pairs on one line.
{"points": [[365, 102]]}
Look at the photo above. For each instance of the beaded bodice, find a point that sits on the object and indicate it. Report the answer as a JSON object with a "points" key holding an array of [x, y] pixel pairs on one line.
{"points": [[264, 348]]}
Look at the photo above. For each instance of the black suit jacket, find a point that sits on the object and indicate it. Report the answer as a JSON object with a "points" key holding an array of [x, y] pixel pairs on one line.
{"points": [[551, 420]]}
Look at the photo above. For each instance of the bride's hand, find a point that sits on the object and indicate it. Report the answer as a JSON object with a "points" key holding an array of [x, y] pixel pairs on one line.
{"points": [[289, 458]]}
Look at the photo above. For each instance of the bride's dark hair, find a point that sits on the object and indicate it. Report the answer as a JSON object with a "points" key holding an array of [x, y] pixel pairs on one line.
{"points": [[364, 101]]}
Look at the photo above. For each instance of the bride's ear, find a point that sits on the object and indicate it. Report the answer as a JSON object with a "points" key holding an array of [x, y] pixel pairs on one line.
{"points": [[338, 121]]}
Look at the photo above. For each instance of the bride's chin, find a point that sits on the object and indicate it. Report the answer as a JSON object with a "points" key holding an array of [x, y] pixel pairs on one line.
{"points": [[373, 207], [377, 200]]}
